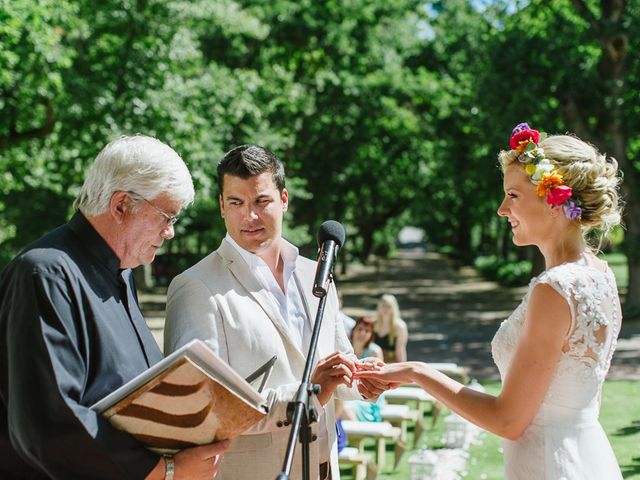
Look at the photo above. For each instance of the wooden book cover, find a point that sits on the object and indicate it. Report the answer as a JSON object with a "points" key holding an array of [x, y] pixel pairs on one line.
{"points": [[190, 398]]}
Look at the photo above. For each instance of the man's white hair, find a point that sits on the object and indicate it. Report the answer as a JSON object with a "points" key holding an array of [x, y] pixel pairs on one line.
{"points": [[135, 163]]}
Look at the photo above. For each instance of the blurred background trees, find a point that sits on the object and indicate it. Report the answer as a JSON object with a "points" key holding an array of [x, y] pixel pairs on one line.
{"points": [[386, 114]]}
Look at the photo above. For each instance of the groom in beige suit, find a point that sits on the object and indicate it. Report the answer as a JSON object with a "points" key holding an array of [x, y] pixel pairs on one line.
{"points": [[251, 299]]}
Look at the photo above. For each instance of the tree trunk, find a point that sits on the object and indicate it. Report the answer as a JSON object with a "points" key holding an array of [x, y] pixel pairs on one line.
{"points": [[505, 242], [614, 44], [631, 245], [14, 136], [367, 245], [631, 306], [462, 238], [537, 262]]}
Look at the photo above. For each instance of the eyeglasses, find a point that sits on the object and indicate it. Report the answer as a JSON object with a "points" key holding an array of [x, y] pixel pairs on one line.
{"points": [[170, 219]]}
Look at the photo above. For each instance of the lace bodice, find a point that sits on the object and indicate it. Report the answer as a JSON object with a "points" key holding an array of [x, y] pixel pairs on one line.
{"points": [[592, 297]]}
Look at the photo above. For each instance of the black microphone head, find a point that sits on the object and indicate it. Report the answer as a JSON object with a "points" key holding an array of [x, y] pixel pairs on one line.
{"points": [[331, 230]]}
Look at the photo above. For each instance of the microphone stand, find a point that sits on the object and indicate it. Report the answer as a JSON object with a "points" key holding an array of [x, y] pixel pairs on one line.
{"points": [[301, 412]]}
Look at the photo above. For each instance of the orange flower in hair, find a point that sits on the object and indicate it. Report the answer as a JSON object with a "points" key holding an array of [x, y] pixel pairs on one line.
{"points": [[548, 182]]}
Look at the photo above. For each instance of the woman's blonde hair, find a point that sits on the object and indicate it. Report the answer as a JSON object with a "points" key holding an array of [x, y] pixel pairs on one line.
{"points": [[395, 316], [594, 178]]}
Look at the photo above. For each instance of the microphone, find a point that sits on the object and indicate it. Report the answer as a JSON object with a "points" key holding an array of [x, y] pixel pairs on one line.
{"points": [[331, 237]]}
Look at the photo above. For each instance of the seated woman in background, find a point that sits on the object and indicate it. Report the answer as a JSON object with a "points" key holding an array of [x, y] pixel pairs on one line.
{"points": [[391, 330], [362, 339]]}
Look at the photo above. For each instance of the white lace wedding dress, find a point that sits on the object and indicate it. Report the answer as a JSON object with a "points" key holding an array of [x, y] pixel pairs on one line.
{"points": [[565, 440]]}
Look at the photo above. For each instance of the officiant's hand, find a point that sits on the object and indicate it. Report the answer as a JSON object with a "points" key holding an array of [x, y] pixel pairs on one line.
{"points": [[336, 369], [196, 463], [200, 462]]}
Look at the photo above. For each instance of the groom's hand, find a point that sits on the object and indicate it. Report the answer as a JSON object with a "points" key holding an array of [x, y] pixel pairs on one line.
{"points": [[332, 371]]}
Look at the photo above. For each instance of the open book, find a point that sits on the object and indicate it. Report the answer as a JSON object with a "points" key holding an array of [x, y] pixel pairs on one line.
{"points": [[192, 397]]}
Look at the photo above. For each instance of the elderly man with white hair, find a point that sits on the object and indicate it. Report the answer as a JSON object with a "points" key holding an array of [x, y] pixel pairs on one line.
{"points": [[72, 329]]}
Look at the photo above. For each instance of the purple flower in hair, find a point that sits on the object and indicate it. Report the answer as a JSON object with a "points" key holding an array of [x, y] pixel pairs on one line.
{"points": [[571, 210], [521, 127], [522, 136]]}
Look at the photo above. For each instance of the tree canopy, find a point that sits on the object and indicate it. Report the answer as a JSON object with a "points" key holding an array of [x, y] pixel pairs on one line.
{"points": [[385, 113]]}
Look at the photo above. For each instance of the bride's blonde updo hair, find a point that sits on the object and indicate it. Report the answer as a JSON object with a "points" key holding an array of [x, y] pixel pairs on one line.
{"points": [[594, 178]]}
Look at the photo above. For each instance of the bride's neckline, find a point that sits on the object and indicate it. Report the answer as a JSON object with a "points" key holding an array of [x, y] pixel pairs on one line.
{"points": [[585, 259]]}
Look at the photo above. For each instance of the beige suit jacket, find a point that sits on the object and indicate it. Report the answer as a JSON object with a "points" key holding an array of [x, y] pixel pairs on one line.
{"points": [[219, 300]]}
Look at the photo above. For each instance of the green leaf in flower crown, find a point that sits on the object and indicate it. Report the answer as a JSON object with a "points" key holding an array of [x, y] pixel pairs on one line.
{"points": [[530, 147]]}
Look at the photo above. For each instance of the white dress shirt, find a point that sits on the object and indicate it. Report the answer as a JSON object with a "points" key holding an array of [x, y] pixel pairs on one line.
{"points": [[291, 308]]}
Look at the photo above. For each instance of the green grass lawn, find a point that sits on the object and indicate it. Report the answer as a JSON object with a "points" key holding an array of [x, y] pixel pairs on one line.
{"points": [[620, 417]]}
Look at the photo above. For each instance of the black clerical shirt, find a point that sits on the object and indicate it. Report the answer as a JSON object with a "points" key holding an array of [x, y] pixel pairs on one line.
{"points": [[71, 332]]}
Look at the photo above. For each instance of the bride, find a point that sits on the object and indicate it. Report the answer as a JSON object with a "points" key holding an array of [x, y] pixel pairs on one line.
{"points": [[555, 349]]}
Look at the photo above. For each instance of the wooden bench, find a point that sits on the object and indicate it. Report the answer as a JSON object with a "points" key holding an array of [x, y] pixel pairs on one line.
{"points": [[410, 395], [418, 399], [380, 432], [361, 462], [452, 370], [402, 416]]}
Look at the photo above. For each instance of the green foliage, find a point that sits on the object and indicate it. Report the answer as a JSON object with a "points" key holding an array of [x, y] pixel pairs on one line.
{"points": [[488, 266], [618, 264], [385, 113], [505, 272], [514, 273], [360, 138], [33, 57]]}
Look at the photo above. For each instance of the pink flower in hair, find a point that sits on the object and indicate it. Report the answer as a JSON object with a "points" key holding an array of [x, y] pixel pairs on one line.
{"points": [[521, 135], [559, 195]]}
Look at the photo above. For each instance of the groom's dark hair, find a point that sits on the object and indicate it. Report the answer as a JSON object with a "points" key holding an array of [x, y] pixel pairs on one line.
{"points": [[247, 161]]}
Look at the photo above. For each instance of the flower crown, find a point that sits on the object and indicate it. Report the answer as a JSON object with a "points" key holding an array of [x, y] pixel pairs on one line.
{"points": [[524, 140]]}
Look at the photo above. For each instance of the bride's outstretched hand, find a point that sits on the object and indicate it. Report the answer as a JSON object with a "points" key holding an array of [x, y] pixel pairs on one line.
{"points": [[372, 388], [394, 374]]}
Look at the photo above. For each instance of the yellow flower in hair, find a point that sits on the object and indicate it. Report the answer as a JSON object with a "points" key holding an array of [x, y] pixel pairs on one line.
{"points": [[548, 182], [530, 168]]}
